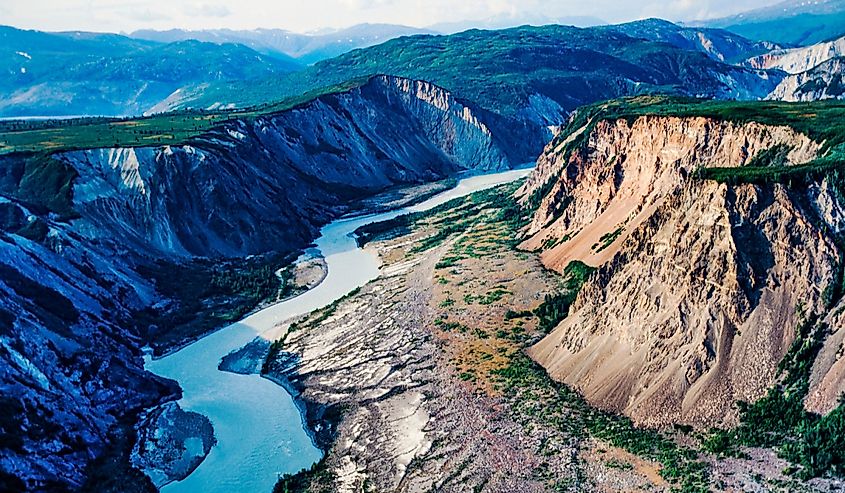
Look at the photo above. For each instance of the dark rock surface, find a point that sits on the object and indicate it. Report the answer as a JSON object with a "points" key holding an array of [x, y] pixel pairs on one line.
{"points": [[71, 290]]}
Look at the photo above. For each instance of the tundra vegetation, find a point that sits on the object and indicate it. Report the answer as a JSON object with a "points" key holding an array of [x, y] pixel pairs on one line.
{"points": [[483, 226], [172, 128], [813, 444]]}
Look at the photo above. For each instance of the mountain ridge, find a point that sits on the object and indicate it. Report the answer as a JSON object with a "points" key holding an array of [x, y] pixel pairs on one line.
{"points": [[304, 48], [104, 74], [792, 22]]}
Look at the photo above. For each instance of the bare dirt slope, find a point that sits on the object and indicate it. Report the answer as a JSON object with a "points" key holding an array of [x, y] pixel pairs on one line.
{"points": [[701, 284], [413, 360]]}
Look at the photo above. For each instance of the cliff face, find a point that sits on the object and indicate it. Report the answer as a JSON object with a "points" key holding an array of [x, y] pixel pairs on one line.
{"points": [[825, 81], [625, 171], [797, 60], [70, 365], [696, 298], [70, 290], [269, 184]]}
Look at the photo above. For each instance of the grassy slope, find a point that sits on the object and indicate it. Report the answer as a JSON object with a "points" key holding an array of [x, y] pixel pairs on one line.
{"points": [[170, 128], [823, 121], [498, 70]]}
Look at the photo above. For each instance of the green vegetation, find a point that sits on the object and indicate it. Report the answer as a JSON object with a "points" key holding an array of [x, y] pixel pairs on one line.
{"points": [[50, 136], [316, 478], [556, 306], [40, 183], [538, 397], [511, 314], [816, 444], [207, 295], [607, 239]]}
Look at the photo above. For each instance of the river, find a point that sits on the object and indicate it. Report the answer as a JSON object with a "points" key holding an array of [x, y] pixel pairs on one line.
{"points": [[259, 429]]}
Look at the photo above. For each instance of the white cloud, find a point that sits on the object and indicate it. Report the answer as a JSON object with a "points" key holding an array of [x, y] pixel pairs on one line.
{"points": [[209, 10], [296, 15], [146, 15]]}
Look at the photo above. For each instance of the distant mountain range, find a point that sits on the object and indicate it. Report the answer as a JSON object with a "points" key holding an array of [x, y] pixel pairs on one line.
{"points": [[796, 22], [504, 21], [78, 73], [306, 48], [309, 48], [541, 73]]}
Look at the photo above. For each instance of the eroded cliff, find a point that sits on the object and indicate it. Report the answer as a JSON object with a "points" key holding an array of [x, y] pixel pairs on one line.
{"points": [[824, 81], [90, 235], [701, 283]]}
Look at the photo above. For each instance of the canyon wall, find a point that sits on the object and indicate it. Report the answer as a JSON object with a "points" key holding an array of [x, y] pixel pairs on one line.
{"points": [[825, 81], [700, 285], [75, 259]]}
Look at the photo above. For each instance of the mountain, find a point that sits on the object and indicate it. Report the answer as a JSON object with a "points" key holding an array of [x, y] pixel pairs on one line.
{"points": [[717, 234], [78, 73], [793, 22], [307, 48], [797, 60], [718, 44], [535, 74], [825, 81], [548, 70], [504, 21], [105, 250], [815, 71]]}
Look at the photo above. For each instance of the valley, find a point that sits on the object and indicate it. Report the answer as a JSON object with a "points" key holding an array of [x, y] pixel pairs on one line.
{"points": [[159, 245], [419, 380], [539, 258]]}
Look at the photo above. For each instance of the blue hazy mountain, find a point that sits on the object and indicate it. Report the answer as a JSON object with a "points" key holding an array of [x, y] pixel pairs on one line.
{"points": [[80, 73], [791, 22]]}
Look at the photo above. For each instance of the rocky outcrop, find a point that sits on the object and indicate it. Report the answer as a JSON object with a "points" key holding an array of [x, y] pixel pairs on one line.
{"points": [[814, 72], [798, 60], [71, 373], [825, 81], [619, 176], [290, 171], [70, 288], [697, 295], [172, 443]]}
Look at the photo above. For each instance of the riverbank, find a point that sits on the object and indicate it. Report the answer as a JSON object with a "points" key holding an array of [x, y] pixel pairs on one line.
{"points": [[264, 415], [297, 273], [427, 368], [410, 358]]}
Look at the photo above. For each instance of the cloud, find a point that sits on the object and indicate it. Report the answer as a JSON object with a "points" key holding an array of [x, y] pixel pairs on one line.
{"points": [[146, 15], [218, 10], [366, 4], [698, 9], [299, 15]]}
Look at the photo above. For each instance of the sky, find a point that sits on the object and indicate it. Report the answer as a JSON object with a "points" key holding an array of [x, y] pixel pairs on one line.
{"points": [[311, 15]]}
